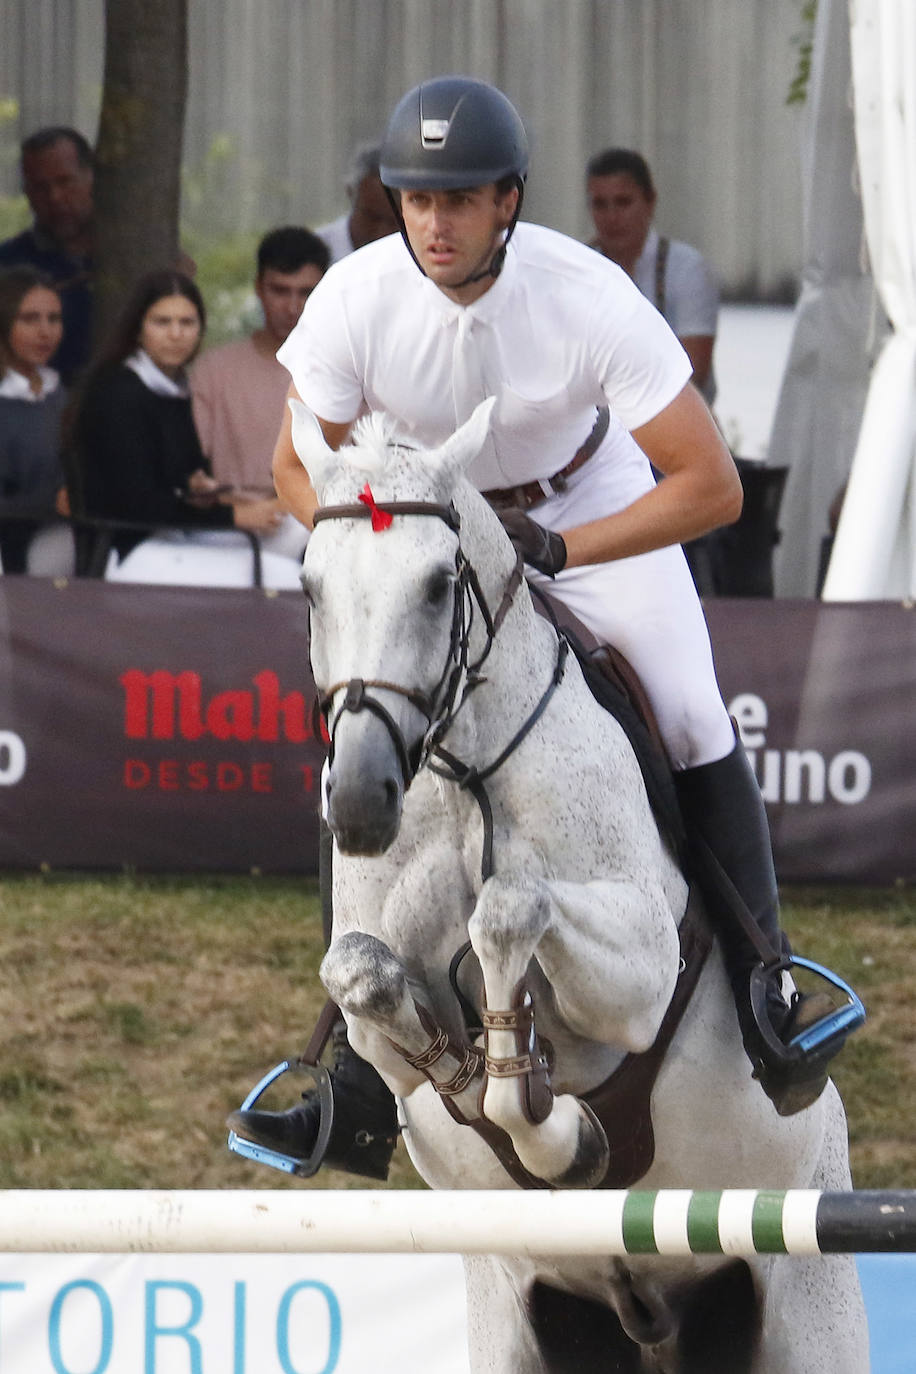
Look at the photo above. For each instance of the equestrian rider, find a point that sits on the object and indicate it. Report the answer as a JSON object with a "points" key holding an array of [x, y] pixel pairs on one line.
{"points": [[468, 303]]}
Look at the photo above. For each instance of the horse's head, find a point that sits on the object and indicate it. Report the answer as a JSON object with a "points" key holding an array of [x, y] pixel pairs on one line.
{"points": [[390, 614]]}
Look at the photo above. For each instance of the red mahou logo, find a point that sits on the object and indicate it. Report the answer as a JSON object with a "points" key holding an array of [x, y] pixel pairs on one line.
{"points": [[161, 705]]}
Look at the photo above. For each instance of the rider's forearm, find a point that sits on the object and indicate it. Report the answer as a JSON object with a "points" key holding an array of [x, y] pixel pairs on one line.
{"points": [[680, 508], [699, 489]]}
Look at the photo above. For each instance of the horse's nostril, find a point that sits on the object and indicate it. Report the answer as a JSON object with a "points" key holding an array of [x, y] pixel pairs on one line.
{"points": [[392, 792]]}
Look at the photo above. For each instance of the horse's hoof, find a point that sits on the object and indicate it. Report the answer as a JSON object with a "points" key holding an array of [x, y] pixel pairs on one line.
{"points": [[592, 1158]]}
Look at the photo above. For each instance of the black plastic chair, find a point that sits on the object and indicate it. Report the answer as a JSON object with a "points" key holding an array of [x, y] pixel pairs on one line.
{"points": [[94, 536]]}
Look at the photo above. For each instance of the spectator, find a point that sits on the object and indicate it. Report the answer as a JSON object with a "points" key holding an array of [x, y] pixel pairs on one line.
{"points": [[57, 178], [31, 408], [138, 453], [239, 390], [370, 216], [673, 275]]}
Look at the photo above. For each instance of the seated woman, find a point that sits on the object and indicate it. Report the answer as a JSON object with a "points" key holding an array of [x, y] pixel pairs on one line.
{"points": [[137, 452], [31, 407]]}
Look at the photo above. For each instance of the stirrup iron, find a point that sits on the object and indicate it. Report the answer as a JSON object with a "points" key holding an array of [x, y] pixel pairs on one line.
{"points": [[826, 1035], [276, 1159]]}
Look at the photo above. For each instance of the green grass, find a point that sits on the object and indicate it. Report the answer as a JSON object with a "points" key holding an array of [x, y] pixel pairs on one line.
{"points": [[139, 1011], [869, 937]]}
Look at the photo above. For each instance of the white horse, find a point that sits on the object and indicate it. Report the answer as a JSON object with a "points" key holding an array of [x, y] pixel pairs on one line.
{"points": [[477, 792]]}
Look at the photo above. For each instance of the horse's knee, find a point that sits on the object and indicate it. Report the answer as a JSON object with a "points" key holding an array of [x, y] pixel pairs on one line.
{"points": [[510, 913], [363, 976]]}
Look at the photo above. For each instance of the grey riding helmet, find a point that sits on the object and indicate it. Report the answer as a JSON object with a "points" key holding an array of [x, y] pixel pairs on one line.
{"points": [[449, 133]]}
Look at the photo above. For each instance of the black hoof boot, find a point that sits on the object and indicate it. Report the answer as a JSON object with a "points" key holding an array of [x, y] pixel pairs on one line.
{"points": [[364, 1128]]}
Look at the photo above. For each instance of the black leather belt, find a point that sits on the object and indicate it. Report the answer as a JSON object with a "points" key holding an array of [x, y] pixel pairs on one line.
{"points": [[532, 493]]}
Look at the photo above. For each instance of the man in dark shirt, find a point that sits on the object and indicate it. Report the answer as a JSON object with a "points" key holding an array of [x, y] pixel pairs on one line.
{"points": [[57, 177]]}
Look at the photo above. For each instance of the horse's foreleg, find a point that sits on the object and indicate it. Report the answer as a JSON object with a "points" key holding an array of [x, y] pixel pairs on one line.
{"points": [[610, 953], [557, 1139], [369, 983]]}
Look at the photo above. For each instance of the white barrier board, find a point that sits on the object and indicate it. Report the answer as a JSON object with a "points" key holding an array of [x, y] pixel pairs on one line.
{"points": [[232, 1314]]}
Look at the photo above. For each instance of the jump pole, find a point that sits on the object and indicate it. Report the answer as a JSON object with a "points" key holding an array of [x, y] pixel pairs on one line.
{"points": [[678, 1222]]}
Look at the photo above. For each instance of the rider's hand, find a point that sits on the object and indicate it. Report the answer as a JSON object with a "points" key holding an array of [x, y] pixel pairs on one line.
{"points": [[541, 548]]}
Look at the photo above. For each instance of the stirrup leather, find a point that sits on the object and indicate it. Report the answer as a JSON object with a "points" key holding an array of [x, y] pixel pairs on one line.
{"points": [[825, 1036], [276, 1159]]}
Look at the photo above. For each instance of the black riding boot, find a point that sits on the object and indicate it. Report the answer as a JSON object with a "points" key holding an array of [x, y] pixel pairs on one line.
{"points": [[365, 1126], [365, 1123], [728, 835]]}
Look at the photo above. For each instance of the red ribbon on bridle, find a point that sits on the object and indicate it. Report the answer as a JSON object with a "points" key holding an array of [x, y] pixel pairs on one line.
{"points": [[381, 519]]}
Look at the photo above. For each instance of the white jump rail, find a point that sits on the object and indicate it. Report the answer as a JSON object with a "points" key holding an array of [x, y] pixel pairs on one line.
{"points": [[678, 1222]]}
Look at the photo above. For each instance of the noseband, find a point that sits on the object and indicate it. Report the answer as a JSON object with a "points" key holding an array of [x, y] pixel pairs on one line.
{"points": [[459, 675]]}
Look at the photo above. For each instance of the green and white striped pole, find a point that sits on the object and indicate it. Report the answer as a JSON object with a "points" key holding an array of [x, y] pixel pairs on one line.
{"points": [[742, 1222]]}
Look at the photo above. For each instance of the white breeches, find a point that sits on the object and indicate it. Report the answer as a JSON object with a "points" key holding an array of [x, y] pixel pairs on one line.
{"points": [[648, 608]]}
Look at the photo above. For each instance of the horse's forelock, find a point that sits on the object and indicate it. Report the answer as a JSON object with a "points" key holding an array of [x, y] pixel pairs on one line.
{"points": [[373, 443], [376, 450]]}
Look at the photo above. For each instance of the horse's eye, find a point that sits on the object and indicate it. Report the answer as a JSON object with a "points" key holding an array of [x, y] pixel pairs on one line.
{"points": [[438, 587]]}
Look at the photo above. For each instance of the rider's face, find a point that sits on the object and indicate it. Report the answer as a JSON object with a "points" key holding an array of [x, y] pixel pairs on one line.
{"points": [[454, 234]]}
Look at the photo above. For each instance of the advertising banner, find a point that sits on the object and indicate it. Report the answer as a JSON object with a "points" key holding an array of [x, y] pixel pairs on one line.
{"points": [[163, 729], [232, 1314], [825, 698], [171, 729]]}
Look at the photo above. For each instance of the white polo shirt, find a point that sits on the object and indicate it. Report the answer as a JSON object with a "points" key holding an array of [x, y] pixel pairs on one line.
{"points": [[561, 331]]}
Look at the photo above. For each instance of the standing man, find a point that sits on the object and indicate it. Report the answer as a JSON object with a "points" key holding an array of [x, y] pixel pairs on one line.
{"points": [[674, 276], [370, 216], [57, 169], [592, 392]]}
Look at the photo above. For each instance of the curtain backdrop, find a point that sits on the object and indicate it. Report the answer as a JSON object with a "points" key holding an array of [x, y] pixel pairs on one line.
{"points": [[874, 555], [280, 90]]}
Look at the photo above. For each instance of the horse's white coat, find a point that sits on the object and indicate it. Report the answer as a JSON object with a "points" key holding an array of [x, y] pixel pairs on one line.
{"points": [[584, 903]]}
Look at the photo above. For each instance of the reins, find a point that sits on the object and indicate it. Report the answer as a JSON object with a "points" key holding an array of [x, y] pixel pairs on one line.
{"points": [[472, 779]]}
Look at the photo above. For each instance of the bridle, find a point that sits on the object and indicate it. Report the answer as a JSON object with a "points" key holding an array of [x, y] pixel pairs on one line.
{"points": [[459, 675]]}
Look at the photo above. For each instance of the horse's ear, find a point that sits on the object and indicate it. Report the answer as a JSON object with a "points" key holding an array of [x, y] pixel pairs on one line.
{"points": [[459, 451], [319, 460]]}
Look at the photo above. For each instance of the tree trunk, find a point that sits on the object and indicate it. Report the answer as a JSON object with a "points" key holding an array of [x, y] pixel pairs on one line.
{"points": [[141, 130]]}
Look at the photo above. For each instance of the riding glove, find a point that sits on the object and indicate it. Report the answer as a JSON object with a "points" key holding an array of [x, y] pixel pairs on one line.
{"points": [[541, 548]]}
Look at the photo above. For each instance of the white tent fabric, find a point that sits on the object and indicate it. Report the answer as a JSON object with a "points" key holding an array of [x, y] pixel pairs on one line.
{"points": [[837, 319], [874, 555]]}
